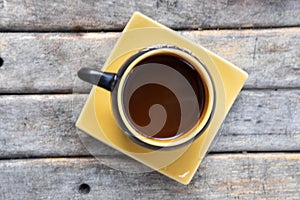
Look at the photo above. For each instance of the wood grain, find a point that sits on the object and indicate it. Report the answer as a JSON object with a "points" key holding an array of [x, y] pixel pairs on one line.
{"points": [[48, 62], [43, 125], [54, 15], [44, 43], [230, 176]]}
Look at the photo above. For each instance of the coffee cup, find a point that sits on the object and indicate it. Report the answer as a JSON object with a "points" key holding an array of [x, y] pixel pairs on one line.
{"points": [[162, 96]]}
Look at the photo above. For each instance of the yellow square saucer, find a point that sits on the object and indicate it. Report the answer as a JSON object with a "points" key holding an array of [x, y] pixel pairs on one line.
{"points": [[97, 118]]}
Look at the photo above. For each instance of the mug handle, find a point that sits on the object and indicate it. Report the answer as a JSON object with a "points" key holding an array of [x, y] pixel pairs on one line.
{"points": [[105, 80]]}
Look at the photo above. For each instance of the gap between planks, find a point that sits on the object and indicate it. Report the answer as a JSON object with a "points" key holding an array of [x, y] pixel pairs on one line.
{"points": [[122, 156], [87, 92], [175, 29]]}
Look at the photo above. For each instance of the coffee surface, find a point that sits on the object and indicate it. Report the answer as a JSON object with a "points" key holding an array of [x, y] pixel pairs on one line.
{"points": [[163, 97]]}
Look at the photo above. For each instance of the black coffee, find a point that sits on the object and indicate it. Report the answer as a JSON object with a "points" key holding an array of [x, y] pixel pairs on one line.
{"points": [[163, 97]]}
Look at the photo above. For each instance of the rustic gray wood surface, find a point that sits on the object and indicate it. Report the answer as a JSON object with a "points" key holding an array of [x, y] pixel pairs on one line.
{"points": [[44, 43], [226, 176], [46, 63], [43, 125], [49, 15]]}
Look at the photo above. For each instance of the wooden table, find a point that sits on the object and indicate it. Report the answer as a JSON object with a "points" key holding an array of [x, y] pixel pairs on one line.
{"points": [[44, 43]]}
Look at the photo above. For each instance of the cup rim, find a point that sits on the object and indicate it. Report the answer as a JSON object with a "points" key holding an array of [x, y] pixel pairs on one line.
{"points": [[202, 122]]}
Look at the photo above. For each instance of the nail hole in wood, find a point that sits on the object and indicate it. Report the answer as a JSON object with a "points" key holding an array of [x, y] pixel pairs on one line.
{"points": [[84, 188], [1, 61]]}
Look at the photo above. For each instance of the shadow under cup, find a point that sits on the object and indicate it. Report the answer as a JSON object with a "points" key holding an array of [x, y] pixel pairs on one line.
{"points": [[165, 98]]}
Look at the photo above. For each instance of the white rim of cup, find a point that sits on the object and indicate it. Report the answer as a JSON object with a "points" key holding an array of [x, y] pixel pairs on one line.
{"points": [[202, 72]]}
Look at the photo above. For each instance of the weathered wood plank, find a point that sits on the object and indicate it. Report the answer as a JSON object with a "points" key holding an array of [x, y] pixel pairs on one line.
{"points": [[43, 125], [231, 176], [38, 125], [269, 56], [112, 15], [35, 63]]}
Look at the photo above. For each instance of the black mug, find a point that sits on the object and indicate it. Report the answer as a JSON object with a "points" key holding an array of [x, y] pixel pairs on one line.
{"points": [[162, 96]]}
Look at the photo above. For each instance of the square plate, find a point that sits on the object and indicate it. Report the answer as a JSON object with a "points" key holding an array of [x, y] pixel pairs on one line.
{"points": [[97, 118]]}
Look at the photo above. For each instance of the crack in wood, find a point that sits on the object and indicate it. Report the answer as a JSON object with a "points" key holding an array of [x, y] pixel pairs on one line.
{"points": [[254, 51]]}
